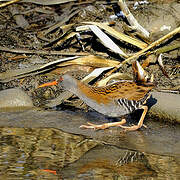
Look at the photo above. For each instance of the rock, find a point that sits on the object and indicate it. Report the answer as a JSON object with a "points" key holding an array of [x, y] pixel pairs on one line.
{"points": [[165, 106], [14, 97]]}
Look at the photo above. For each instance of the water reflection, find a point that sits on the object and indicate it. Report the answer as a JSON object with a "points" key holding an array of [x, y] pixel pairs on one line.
{"points": [[48, 153], [32, 152]]}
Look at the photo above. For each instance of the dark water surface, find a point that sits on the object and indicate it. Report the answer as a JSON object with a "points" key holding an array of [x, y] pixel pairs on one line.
{"points": [[33, 149]]}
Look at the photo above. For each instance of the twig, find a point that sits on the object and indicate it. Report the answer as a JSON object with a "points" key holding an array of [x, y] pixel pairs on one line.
{"points": [[152, 45], [131, 19], [8, 3], [167, 49], [59, 24], [45, 52]]}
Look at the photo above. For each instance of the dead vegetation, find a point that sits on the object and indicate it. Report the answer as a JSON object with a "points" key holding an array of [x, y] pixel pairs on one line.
{"points": [[94, 40]]}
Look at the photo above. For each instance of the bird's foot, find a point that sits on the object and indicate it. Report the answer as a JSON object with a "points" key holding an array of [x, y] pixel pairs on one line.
{"points": [[103, 126], [94, 126], [132, 128]]}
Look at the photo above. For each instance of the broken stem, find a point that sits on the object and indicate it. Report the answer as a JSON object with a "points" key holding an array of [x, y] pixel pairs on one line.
{"points": [[139, 53]]}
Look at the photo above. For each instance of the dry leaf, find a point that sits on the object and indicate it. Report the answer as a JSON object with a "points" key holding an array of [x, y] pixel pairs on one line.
{"points": [[119, 35], [91, 60], [106, 40]]}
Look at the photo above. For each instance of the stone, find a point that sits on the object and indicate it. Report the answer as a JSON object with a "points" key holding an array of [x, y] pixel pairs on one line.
{"points": [[14, 97]]}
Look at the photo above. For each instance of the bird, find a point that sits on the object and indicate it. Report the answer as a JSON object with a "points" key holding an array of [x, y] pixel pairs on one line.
{"points": [[114, 100]]}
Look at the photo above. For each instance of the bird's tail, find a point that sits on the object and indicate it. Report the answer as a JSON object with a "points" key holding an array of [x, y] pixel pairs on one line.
{"points": [[140, 75]]}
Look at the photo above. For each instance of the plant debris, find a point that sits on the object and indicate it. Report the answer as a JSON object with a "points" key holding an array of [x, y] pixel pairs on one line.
{"points": [[42, 40]]}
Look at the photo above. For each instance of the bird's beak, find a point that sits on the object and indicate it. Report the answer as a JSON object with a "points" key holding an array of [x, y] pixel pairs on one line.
{"points": [[51, 83], [48, 84]]}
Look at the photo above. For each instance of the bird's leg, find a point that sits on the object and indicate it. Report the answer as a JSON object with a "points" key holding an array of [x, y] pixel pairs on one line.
{"points": [[103, 126], [140, 123]]}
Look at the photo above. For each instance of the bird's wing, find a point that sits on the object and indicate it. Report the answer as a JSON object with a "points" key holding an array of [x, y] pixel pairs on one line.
{"points": [[126, 90], [121, 90]]}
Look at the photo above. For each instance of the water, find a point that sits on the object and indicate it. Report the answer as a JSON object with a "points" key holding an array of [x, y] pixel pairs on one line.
{"points": [[48, 153], [50, 145]]}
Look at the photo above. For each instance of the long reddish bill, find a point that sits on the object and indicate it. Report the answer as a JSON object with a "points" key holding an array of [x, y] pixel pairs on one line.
{"points": [[50, 171], [48, 84]]}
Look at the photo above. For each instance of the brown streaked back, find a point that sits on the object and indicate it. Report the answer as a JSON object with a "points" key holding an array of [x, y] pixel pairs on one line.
{"points": [[119, 90]]}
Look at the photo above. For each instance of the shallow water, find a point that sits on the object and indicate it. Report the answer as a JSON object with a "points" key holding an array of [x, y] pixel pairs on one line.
{"points": [[33, 149], [48, 153]]}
